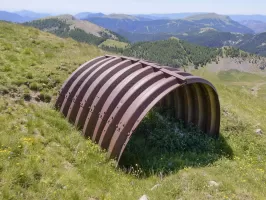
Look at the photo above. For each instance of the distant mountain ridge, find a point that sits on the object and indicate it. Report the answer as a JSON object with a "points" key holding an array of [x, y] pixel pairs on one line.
{"points": [[251, 43], [240, 18], [86, 26], [32, 15], [195, 23], [84, 15], [21, 16], [207, 29], [256, 44], [167, 16], [219, 22], [255, 25]]}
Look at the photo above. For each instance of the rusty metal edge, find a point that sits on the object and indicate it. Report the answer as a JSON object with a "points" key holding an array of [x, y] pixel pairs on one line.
{"points": [[98, 84], [124, 103], [77, 83], [92, 90], [102, 97], [117, 95], [72, 77], [75, 105]]}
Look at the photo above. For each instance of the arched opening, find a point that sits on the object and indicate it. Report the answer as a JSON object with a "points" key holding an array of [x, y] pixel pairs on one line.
{"points": [[174, 134]]}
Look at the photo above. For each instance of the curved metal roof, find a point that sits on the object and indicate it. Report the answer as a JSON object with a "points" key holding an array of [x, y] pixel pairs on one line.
{"points": [[108, 97]]}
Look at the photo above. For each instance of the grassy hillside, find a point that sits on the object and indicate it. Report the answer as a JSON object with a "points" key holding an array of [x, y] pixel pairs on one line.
{"points": [[34, 62], [79, 30], [113, 45], [42, 156]]}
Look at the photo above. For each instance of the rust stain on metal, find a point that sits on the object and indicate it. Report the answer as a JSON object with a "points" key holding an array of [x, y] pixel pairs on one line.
{"points": [[108, 97]]}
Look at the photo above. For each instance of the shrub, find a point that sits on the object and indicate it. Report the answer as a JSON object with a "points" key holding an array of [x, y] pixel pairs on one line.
{"points": [[29, 75], [34, 86], [27, 96], [45, 97], [7, 68], [27, 51], [4, 90]]}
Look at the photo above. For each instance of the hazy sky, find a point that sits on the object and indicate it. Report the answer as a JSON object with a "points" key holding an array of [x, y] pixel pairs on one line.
{"points": [[137, 6]]}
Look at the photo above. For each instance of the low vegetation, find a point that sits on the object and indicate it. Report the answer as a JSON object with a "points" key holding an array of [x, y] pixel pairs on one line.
{"points": [[42, 156], [36, 63], [114, 46]]}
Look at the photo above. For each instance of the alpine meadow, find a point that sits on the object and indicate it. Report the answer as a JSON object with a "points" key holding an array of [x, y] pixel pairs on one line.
{"points": [[44, 156]]}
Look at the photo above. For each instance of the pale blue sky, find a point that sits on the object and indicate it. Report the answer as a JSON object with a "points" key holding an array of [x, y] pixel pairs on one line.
{"points": [[137, 6]]}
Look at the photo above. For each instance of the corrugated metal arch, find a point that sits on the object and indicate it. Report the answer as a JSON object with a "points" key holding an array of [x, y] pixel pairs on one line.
{"points": [[109, 96]]}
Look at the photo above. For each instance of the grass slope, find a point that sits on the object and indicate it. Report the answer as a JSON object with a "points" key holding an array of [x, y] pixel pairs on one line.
{"points": [[32, 61], [114, 43], [42, 156], [114, 46]]}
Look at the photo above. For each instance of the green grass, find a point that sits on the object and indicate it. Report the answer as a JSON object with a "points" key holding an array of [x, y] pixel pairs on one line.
{"points": [[36, 60], [235, 76], [262, 92], [243, 81], [114, 43], [161, 144], [42, 156]]}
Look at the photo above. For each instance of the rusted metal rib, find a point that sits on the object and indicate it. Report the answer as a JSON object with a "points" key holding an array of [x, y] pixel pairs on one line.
{"points": [[115, 97], [72, 78], [125, 102], [103, 94], [77, 83], [76, 102], [94, 88], [109, 96]]}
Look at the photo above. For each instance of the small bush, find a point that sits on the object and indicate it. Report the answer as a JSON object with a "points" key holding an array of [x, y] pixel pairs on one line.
{"points": [[27, 96], [29, 75], [45, 97], [27, 51], [49, 55], [19, 82], [4, 90], [7, 68], [34, 86]]}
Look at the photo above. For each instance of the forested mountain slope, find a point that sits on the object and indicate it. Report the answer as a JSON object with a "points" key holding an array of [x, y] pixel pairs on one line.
{"points": [[256, 44], [68, 26], [179, 53]]}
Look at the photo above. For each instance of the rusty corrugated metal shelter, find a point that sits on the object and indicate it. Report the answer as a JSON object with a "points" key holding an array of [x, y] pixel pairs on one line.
{"points": [[108, 97]]}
